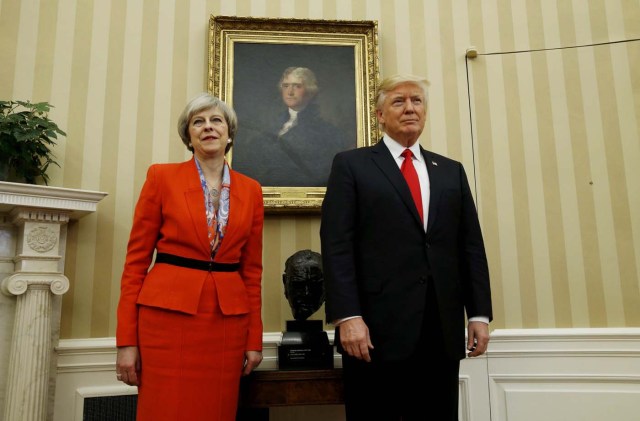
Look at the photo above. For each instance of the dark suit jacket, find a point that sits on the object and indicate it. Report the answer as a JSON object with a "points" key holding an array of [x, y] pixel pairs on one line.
{"points": [[377, 259], [170, 218]]}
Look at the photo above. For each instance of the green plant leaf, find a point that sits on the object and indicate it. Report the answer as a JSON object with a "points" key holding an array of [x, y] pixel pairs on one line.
{"points": [[26, 135]]}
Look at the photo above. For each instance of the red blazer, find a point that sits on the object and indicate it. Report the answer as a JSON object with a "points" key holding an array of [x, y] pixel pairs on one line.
{"points": [[170, 218]]}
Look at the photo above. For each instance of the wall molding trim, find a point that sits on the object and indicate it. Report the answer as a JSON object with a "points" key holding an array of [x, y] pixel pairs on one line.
{"points": [[526, 371]]}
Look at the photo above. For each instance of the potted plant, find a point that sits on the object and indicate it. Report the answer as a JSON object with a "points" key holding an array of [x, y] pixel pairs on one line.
{"points": [[26, 137]]}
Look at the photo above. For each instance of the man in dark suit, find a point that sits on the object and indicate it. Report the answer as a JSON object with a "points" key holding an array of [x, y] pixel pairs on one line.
{"points": [[402, 268]]}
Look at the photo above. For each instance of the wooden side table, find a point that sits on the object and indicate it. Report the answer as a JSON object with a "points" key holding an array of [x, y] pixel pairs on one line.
{"points": [[263, 389]]}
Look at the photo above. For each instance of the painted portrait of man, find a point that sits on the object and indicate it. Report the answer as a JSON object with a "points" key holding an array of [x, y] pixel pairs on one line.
{"points": [[294, 117]]}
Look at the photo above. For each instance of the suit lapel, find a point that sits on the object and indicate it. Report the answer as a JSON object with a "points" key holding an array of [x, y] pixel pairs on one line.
{"points": [[236, 209], [195, 202], [387, 164], [435, 185]]}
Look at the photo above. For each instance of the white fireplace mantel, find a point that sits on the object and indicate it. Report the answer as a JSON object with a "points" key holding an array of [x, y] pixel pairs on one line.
{"points": [[77, 203], [33, 233]]}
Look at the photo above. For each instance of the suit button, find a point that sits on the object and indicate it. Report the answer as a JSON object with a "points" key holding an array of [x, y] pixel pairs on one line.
{"points": [[427, 244], [423, 279]]}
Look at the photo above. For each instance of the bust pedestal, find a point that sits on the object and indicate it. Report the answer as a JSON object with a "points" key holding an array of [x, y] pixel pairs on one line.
{"points": [[305, 346]]}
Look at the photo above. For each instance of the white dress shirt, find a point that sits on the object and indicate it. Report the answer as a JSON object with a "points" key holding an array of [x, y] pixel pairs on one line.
{"points": [[293, 116], [420, 165]]}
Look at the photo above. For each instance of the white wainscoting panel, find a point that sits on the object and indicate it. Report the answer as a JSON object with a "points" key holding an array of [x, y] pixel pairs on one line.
{"points": [[474, 391], [565, 375], [526, 375]]}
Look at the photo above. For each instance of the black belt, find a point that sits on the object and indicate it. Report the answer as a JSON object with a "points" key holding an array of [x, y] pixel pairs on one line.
{"points": [[185, 262]]}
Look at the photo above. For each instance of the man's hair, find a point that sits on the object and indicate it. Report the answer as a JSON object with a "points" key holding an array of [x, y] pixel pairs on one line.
{"points": [[201, 102], [306, 75], [390, 83]]}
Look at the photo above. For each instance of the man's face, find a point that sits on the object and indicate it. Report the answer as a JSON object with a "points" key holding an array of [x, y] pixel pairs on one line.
{"points": [[404, 113], [294, 93]]}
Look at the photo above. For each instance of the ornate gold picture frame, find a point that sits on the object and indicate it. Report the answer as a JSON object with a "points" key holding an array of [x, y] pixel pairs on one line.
{"points": [[256, 64]]}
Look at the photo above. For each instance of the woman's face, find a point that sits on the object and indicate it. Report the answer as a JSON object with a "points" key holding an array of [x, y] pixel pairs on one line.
{"points": [[209, 133]]}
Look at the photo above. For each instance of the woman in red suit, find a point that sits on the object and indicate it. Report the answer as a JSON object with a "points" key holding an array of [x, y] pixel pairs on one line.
{"points": [[190, 326]]}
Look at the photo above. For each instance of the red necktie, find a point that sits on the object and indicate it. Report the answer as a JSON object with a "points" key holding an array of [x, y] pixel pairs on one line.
{"points": [[410, 174]]}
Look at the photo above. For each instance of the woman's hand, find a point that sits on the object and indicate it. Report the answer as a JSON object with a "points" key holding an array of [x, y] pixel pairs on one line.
{"points": [[252, 359], [128, 365]]}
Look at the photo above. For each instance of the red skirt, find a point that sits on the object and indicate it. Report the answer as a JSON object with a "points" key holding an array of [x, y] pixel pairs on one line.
{"points": [[191, 364]]}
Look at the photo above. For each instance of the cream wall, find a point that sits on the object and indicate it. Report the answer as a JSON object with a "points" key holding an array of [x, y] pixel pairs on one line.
{"points": [[551, 144]]}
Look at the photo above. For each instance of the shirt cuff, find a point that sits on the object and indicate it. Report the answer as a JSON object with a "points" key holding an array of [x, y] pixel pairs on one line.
{"points": [[479, 319], [337, 322]]}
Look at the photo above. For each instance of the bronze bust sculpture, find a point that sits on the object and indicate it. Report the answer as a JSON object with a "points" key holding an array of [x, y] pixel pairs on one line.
{"points": [[304, 283], [305, 345]]}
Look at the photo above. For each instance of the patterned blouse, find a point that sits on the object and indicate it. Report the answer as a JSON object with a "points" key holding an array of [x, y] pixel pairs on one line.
{"points": [[216, 218]]}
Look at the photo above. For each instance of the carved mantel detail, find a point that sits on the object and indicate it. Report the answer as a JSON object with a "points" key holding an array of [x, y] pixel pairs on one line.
{"points": [[33, 223], [19, 283]]}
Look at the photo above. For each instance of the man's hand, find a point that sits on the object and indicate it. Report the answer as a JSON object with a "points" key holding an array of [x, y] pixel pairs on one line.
{"points": [[354, 337], [478, 338]]}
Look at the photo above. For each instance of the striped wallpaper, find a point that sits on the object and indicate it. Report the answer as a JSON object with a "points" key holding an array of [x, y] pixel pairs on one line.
{"points": [[545, 119], [555, 119]]}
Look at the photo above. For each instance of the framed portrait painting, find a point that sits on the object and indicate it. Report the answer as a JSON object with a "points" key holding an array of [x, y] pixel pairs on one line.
{"points": [[303, 91]]}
